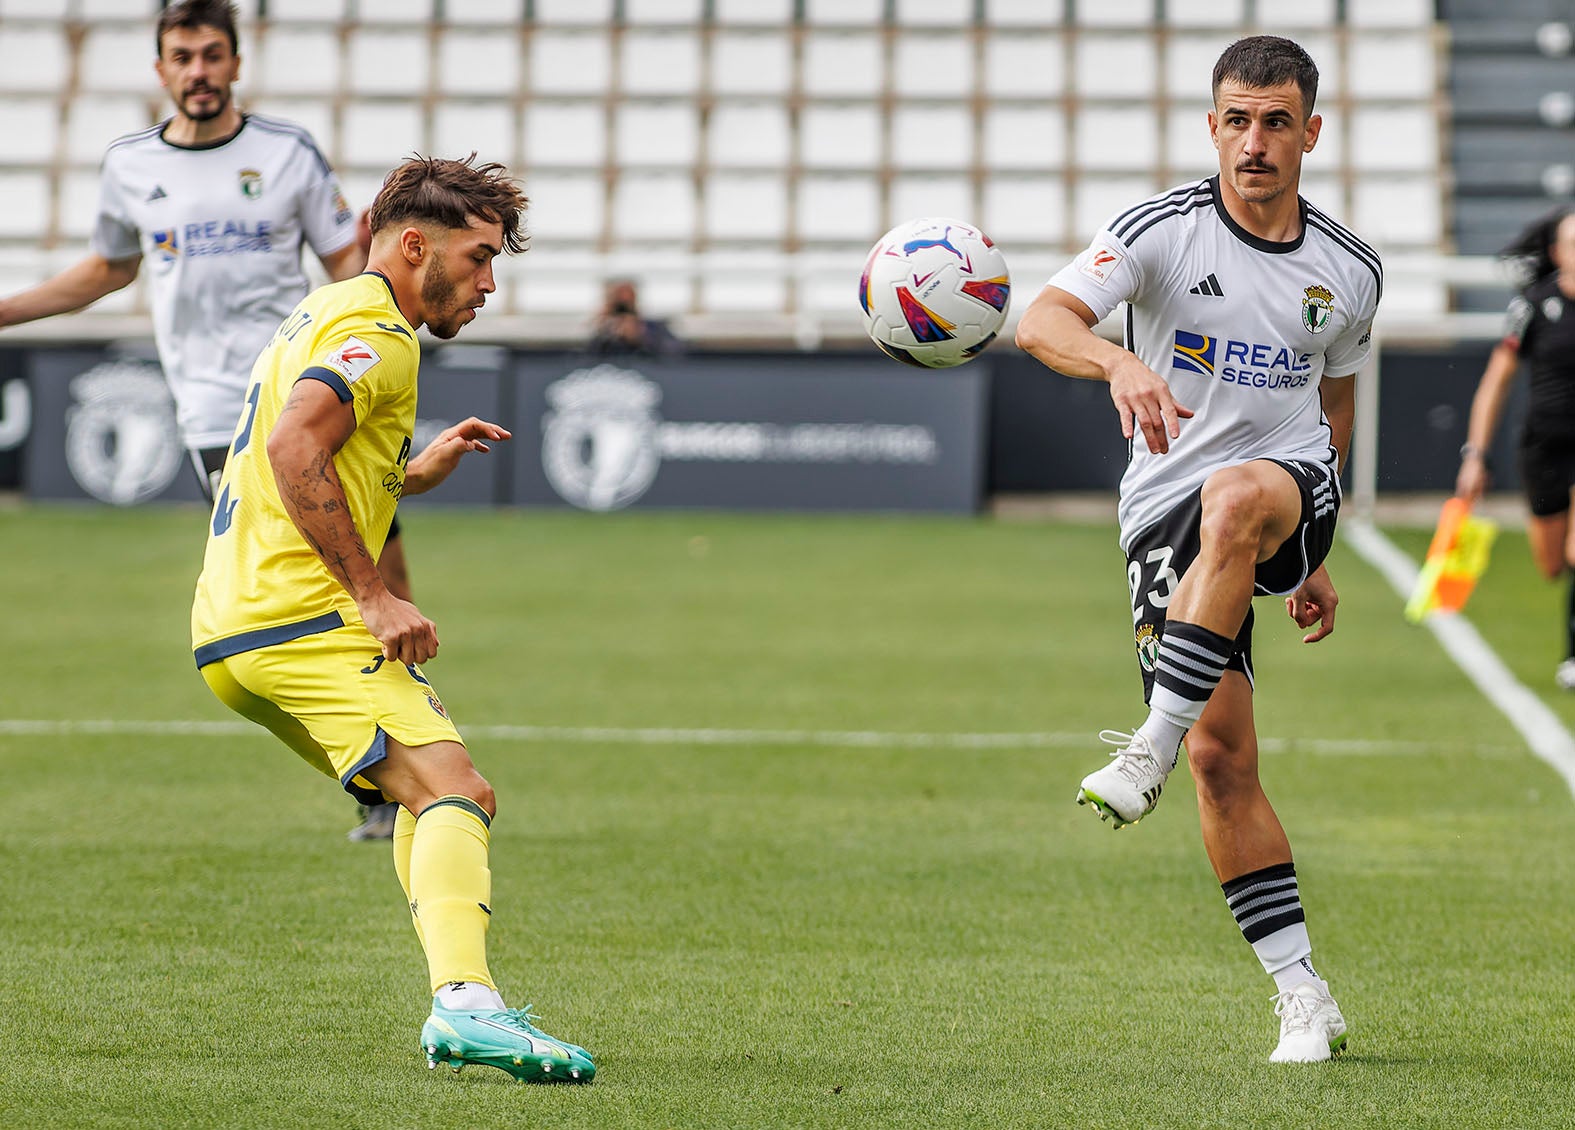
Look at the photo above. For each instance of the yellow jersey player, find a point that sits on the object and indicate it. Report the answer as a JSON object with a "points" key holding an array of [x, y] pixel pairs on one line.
{"points": [[294, 628]]}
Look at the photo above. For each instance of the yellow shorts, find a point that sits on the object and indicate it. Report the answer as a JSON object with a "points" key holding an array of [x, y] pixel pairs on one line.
{"points": [[335, 700]]}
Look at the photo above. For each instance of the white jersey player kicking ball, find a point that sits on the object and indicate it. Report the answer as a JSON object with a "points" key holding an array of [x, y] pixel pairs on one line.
{"points": [[1249, 313]]}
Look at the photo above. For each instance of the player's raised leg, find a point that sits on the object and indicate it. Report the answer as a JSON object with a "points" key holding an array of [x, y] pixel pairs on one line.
{"points": [[449, 887], [1247, 512], [1251, 857]]}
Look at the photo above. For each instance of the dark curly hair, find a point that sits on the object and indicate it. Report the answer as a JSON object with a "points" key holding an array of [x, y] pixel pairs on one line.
{"points": [[435, 190], [1527, 256], [193, 14]]}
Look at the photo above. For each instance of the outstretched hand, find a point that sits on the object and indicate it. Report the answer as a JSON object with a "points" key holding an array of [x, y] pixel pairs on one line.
{"points": [[1143, 400], [1314, 603], [443, 454]]}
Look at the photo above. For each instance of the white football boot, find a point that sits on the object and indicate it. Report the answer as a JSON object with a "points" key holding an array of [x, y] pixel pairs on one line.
{"points": [[1564, 676], [1311, 1027], [1127, 789]]}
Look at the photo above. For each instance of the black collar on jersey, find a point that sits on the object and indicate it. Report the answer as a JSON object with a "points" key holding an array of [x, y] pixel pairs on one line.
{"points": [[1258, 243], [217, 143], [389, 284]]}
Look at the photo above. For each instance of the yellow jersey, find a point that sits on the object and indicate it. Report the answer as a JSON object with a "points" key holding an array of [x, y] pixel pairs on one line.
{"points": [[261, 582]]}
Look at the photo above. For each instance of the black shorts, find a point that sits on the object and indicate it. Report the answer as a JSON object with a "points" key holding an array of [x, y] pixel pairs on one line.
{"points": [[1161, 554], [1547, 468], [208, 464]]}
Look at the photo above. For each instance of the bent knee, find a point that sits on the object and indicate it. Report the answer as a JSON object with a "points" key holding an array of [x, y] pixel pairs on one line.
{"points": [[1220, 768]]}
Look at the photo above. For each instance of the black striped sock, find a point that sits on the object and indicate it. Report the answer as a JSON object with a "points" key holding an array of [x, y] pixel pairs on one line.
{"points": [[1265, 901], [1569, 618], [1189, 666]]}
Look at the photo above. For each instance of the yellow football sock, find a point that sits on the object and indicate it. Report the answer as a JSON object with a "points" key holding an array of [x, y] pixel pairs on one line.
{"points": [[451, 889], [404, 838]]}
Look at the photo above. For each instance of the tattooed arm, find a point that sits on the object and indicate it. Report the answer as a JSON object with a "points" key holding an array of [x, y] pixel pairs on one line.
{"points": [[312, 426]]}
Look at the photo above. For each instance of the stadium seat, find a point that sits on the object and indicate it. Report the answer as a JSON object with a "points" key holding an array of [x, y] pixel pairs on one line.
{"points": [[1024, 137], [488, 128], [1024, 66], [564, 206], [308, 11], [1189, 62], [569, 62], [1206, 13], [1392, 65], [24, 203], [927, 195], [57, 10], [1392, 138], [78, 204], [1025, 210], [1390, 14], [565, 134], [839, 208], [1022, 13], [1097, 199], [1294, 15], [931, 137], [839, 63], [31, 127], [297, 60], [95, 120], [932, 66], [479, 62], [1189, 151], [653, 207], [539, 291], [361, 186], [1394, 211], [861, 13], [840, 136], [680, 13], [1323, 191], [1117, 66], [592, 12], [746, 207], [662, 134], [751, 63], [373, 12], [1115, 139], [935, 13], [383, 61], [490, 13], [659, 62], [748, 135], [753, 12], [1116, 13], [115, 58], [315, 115], [376, 135], [743, 290]]}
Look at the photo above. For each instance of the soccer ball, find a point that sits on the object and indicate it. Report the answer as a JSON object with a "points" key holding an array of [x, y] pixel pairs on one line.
{"points": [[934, 292]]}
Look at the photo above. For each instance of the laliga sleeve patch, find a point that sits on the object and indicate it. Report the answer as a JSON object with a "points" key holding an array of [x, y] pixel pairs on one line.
{"points": [[352, 359], [1102, 262]]}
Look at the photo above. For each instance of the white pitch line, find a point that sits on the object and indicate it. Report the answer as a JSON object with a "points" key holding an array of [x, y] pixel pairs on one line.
{"points": [[662, 736], [1542, 729]]}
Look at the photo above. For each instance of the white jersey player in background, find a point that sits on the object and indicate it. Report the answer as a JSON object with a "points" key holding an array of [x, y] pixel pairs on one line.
{"points": [[1249, 313], [218, 203]]}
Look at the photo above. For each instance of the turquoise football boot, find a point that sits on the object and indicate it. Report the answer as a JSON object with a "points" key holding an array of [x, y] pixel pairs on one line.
{"points": [[505, 1039]]}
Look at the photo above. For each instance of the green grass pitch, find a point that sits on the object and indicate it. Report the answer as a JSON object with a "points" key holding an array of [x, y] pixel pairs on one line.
{"points": [[777, 926]]}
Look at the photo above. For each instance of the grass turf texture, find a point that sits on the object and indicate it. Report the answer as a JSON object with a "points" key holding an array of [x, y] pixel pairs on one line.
{"points": [[769, 933]]}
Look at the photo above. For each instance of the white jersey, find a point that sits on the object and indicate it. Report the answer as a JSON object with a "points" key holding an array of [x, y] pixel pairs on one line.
{"points": [[1241, 328], [219, 229]]}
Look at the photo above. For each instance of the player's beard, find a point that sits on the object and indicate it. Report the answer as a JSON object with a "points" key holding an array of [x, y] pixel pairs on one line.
{"points": [[437, 297], [221, 102]]}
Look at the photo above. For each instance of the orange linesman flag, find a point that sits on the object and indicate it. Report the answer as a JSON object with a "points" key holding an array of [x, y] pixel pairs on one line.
{"points": [[1455, 559]]}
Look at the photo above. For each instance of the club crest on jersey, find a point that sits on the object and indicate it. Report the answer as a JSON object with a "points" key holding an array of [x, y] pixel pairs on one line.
{"points": [[251, 184], [1147, 646], [1317, 308], [352, 359]]}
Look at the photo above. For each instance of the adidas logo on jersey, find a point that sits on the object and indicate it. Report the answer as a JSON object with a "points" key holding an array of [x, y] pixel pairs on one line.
{"points": [[1209, 287], [158, 193]]}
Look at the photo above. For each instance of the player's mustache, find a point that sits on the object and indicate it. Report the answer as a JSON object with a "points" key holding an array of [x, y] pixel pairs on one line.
{"points": [[1255, 167]]}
